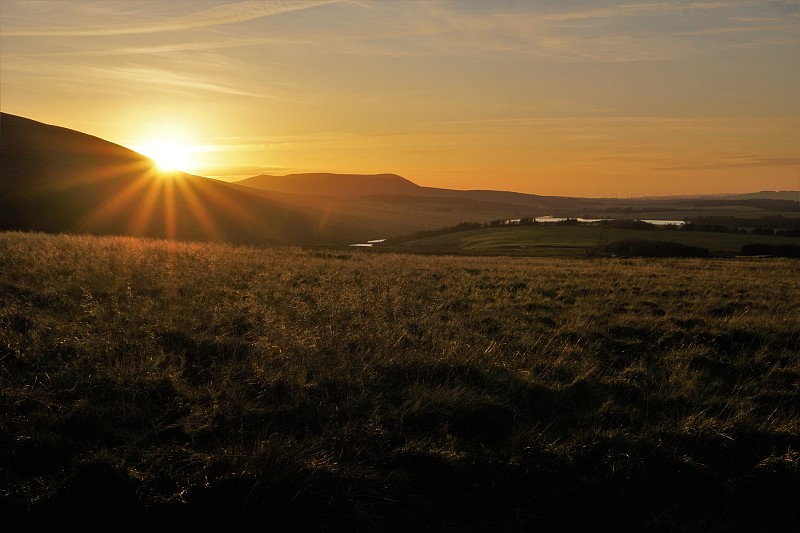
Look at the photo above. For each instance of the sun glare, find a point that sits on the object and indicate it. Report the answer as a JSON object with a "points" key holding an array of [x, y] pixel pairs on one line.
{"points": [[168, 155]]}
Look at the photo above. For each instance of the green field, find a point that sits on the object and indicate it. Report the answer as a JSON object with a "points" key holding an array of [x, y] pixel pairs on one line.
{"points": [[548, 240], [153, 385]]}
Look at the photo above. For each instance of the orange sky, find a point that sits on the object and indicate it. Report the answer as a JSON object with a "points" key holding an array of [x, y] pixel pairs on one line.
{"points": [[582, 98]]}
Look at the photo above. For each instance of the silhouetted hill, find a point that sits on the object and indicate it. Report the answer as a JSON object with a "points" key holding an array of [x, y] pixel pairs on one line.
{"points": [[327, 184], [59, 180], [392, 188], [358, 185]]}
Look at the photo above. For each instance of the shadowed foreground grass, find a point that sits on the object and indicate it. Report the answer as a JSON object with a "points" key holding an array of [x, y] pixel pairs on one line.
{"points": [[148, 384]]}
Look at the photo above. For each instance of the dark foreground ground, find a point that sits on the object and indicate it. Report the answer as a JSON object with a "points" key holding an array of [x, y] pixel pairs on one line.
{"points": [[167, 386]]}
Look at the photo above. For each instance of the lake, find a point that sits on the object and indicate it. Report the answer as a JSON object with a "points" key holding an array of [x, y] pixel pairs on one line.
{"points": [[655, 222]]}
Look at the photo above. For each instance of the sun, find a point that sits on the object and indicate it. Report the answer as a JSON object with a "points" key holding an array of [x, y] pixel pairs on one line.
{"points": [[169, 155]]}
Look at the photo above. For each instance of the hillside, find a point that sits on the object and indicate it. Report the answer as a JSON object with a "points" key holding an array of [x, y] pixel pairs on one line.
{"points": [[59, 180]]}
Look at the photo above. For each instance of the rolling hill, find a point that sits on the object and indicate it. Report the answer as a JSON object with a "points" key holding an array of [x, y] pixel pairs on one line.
{"points": [[327, 184], [384, 185], [390, 205], [58, 180]]}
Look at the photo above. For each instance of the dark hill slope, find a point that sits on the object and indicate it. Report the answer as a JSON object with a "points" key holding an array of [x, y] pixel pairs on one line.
{"points": [[59, 180]]}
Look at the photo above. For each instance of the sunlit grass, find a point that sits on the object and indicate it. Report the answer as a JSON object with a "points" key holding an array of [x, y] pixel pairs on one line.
{"points": [[151, 382]]}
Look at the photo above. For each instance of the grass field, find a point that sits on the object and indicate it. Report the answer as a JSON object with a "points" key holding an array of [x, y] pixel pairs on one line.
{"points": [[552, 240], [161, 385]]}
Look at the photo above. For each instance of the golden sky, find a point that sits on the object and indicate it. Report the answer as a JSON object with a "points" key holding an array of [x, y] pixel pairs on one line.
{"points": [[570, 97]]}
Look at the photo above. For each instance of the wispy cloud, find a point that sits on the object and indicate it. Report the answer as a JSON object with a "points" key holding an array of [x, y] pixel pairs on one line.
{"points": [[163, 78], [631, 9], [240, 171], [163, 48], [765, 27], [225, 14], [591, 120], [555, 33], [235, 144], [128, 79], [741, 162]]}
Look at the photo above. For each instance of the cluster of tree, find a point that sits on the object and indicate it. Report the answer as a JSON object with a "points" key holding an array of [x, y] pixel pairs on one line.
{"points": [[462, 226], [468, 226], [776, 221], [774, 250], [647, 248], [772, 225], [567, 222], [524, 221], [716, 228], [629, 224]]}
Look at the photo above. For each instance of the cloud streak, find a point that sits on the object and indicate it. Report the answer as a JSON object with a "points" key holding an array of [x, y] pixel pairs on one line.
{"points": [[742, 162], [164, 48], [225, 14]]}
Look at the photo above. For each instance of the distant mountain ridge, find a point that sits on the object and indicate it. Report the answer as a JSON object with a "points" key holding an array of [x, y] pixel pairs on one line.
{"points": [[329, 184], [359, 185]]}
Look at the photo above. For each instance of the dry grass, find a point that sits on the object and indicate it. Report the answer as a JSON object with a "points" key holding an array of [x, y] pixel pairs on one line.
{"points": [[160, 384]]}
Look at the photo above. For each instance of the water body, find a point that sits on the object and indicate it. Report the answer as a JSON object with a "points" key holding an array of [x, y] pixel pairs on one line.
{"points": [[665, 222], [560, 219], [368, 244], [655, 222]]}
